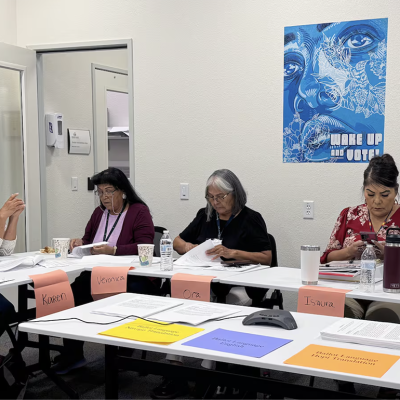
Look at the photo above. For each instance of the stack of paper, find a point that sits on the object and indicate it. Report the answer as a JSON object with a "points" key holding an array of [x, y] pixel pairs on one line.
{"points": [[138, 306], [197, 257], [346, 271], [85, 250], [370, 333], [11, 262]]}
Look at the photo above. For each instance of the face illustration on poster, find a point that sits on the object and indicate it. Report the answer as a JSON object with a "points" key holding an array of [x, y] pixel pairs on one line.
{"points": [[334, 91]]}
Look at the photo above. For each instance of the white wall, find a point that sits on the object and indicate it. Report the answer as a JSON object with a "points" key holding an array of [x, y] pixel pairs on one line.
{"points": [[68, 90], [208, 94], [8, 21]]}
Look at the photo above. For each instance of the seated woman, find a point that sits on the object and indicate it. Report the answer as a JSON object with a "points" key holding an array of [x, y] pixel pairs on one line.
{"points": [[124, 221], [10, 213], [244, 237], [379, 212]]}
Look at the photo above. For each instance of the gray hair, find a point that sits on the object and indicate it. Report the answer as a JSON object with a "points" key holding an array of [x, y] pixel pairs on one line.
{"points": [[226, 181]]}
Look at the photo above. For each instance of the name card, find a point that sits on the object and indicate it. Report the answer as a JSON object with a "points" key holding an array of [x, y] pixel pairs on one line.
{"points": [[191, 287], [343, 360], [53, 293], [321, 301], [109, 281]]}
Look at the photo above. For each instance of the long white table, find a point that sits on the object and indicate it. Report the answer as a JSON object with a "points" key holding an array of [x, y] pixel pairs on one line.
{"points": [[309, 327], [289, 279]]}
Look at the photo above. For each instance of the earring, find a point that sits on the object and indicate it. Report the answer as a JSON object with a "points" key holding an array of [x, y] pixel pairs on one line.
{"points": [[124, 196]]}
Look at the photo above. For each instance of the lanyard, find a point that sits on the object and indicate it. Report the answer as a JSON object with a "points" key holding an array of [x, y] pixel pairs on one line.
{"points": [[383, 223], [219, 225], [105, 237]]}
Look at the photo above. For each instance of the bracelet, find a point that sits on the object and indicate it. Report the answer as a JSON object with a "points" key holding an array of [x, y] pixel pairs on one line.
{"points": [[115, 250]]}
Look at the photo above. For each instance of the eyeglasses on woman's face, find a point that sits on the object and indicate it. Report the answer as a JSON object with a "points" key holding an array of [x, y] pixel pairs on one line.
{"points": [[106, 193], [217, 198]]}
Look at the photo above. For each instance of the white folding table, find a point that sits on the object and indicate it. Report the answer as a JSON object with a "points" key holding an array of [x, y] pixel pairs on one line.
{"points": [[308, 332]]}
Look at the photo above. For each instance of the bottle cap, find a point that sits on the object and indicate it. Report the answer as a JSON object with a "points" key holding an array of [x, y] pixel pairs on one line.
{"points": [[165, 231], [309, 248]]}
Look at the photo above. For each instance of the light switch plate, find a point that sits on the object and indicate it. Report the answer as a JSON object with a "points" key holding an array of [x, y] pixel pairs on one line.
{"points": [[184, 191], [74, 183]]}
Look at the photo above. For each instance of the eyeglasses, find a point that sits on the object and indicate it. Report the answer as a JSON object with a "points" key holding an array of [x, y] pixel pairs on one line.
{"points": [[107, 193], [217, 198]]}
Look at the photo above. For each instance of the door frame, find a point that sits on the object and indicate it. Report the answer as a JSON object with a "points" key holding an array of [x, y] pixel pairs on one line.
{"points": [[120, 71], [69, 47], [23, 63]]}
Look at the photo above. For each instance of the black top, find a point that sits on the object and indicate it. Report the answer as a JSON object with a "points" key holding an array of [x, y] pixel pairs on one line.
{"points": [[246, 232]]}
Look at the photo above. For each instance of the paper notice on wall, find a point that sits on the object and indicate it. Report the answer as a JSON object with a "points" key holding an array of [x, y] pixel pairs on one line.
{"points": [[78, 141]]}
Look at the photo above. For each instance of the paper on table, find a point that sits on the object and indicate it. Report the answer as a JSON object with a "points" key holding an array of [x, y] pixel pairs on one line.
{"points": [[194, 313], [355, 362], [139, 305], [9, 263], [370, 333], [108, 281], [53, 263], [191, 287], [53, 292], [85, 250], [244, 344], [197, 256], [150, 332]]}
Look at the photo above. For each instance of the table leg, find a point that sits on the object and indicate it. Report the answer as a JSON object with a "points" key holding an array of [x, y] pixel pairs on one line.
{"points": [[111, 372], [22, 313]]}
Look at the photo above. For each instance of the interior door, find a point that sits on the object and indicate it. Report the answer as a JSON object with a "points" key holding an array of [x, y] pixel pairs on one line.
{"points": [[112, 138], [19, 141]]}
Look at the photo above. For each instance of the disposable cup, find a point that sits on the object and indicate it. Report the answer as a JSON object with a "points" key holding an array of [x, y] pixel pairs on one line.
{"points": [[61, 246], [145, 254]]}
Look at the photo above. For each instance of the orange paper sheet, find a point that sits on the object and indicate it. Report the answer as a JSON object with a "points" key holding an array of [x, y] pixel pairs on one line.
{"points": [[321, 301], [53, 293], [191, 287], [108, 281], [355, 362]]}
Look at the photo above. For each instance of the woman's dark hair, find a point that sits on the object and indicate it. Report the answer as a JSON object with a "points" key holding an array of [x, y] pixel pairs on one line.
{"points": [[382, 171], [116, 178]]}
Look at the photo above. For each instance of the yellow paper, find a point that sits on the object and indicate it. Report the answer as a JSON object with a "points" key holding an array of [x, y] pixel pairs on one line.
{"points": [[146, 331], [344, 360]]}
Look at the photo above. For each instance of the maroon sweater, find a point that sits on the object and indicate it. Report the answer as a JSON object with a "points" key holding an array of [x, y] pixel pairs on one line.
{"points": [[137, 229]]}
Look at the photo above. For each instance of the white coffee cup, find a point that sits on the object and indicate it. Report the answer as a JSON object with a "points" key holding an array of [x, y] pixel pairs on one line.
{"points": [[145, 254], [310, 257], [61, 246]]}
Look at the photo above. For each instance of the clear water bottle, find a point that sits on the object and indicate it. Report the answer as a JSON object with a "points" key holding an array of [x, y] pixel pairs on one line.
{"points": [[368, 266], [166, 252]]}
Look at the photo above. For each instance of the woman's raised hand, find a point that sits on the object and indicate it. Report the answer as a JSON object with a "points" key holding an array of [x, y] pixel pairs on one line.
{"points": [[12, 206]]}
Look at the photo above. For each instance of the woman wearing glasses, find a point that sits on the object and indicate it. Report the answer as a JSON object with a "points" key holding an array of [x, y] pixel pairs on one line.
{"points": [[244, 237], [124, 221]]}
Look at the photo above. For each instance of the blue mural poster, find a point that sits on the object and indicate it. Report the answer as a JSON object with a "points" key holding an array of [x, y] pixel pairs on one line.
{"points": [[334, 91]]}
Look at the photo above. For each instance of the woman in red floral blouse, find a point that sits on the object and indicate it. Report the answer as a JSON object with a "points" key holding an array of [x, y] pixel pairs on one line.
{"points": [[379, 212]]}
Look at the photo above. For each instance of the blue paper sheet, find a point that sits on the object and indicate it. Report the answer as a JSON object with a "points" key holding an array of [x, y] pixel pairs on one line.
{"points": [[245, 344]]}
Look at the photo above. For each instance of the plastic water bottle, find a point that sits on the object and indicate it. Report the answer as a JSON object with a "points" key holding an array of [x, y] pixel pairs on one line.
{"points": [[368, 266], [166, 252]]}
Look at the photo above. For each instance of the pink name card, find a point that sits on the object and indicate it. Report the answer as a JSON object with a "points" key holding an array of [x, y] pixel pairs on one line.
{"points": [[53, 293], [109, 281], [321, 301], [191, 287]]}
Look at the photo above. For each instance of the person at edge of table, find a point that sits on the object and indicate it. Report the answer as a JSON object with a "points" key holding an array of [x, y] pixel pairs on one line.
{"points": [[379, 212], [244, 237], [9, 215], [124, 221]]}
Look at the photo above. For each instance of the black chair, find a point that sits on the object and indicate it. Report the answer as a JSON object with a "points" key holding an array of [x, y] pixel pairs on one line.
{"points": [[258, 295], [158, 232]]}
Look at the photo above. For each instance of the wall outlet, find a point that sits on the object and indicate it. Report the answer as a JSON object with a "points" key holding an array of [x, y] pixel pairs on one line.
{"points": [[184, 191], [308, 209]]}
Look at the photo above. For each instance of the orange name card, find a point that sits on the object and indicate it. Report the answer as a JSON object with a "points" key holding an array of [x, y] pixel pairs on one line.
{"points": [[191, 287], [344, 360], [108, 281], [321, 301], [53, 293]]}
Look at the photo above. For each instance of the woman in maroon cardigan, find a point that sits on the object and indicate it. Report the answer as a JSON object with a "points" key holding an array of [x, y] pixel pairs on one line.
{"points": [[124, 221]]}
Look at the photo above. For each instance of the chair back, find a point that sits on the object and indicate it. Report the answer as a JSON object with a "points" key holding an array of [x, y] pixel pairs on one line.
{"points": [[158, 232], [274, 260]]}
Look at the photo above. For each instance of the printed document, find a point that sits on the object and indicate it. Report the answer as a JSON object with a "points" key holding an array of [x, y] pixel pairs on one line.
{"points": [[197, 257], [138, 306], [194, 314], [11, 262], [370, 333], [85, 250]]}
